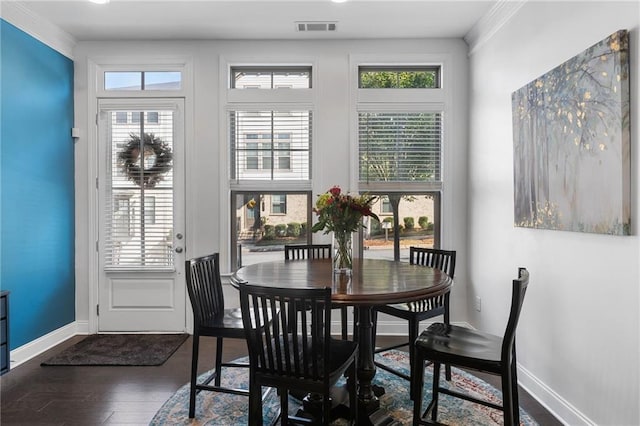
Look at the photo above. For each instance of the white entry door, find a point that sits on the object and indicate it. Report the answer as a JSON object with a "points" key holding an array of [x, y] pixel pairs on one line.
{"points": [[141, 225]]}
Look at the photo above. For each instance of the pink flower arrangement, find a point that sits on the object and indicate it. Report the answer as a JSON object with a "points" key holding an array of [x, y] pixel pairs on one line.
{"points": [[338, 212]]}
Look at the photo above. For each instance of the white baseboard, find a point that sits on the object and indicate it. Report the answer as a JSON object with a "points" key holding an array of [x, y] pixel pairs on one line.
{"points": [[554, 403], [399, 327], [34, 348]]}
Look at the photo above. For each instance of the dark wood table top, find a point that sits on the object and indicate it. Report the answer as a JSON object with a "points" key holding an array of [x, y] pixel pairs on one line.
{"points": [[374, 281]]}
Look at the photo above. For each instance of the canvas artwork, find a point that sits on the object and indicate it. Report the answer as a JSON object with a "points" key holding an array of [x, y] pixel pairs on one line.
{"points": [[571, 143]]}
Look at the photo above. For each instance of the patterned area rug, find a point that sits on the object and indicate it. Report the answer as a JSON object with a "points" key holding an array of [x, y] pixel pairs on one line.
{"points": [[231, 410], [120, 350]]}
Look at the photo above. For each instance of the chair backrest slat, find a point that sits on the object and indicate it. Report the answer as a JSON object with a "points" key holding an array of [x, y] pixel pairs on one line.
{"points": [[204, 287], [307, 251], [445, 260], [295, 343]]}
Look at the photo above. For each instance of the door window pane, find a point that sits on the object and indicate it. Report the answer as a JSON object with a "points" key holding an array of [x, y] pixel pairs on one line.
{"points": [[142, 80], [162, 80], [139, 222], [127, 80]]}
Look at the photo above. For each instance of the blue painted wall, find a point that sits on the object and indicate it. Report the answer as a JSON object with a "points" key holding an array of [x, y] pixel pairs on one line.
{"points": [[37, 189]]}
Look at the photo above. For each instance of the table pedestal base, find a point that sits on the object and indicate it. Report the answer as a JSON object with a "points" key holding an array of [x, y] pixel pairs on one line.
{"points": [[368, 403]]}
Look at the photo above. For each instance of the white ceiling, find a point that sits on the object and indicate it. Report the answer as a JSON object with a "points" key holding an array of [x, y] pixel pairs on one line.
{"points": [[259, 19]]}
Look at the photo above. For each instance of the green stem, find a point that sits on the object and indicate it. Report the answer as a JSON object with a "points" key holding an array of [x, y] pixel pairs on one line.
{"points": [[343, 257]]}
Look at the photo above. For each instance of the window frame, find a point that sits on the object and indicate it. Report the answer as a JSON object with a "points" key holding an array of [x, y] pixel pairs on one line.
{"points": [[143, 86], [438, 99], [292, 99], [397, 69], [271, 71]]}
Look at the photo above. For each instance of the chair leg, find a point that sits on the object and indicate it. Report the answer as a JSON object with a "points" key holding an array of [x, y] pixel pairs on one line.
{"points": [[374, 327], [353, 393], [435, 391], [255, 403], [514, 393], [417, 383], [514, 389], [284, 407], [507, 403], [447, 320], [326, 408], [218, 360], [356, 336], [194, 375], [343, 315], [413, 335]]}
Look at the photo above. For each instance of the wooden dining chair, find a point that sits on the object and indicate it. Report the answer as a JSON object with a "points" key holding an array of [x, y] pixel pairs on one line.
{"points": [[475, 350], [414, 312], [296, 352], [316, 251], [211, 318]]}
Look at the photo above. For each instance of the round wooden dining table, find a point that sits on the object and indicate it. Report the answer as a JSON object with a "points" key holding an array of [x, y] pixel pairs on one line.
{"points": [[373, 282]]}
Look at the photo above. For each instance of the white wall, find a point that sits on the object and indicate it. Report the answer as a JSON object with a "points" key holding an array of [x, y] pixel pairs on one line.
{"points": [[207, 195], [578, 339]]}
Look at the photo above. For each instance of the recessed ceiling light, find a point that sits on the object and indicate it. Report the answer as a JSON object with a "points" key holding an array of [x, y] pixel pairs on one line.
{"points": [[338, 1], [99, 1]]}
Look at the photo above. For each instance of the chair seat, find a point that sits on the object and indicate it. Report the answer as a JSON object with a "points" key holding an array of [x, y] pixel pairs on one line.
{"points": [[462, 346], [342, 352], [227, 325]]}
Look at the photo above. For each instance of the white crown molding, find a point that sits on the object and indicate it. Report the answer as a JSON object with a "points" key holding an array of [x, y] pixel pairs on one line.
{"points": [[491, 22], [19, 15]]}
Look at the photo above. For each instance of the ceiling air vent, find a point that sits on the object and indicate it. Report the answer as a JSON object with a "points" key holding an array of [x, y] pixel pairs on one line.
{"points": [[315, 26]]}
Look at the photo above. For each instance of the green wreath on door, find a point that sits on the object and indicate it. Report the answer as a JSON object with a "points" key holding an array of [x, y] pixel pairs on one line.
{"points": [[149, 169]]}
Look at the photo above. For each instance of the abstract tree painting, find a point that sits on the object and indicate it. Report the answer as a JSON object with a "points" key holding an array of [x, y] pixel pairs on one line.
{"points": [[571, 143]]}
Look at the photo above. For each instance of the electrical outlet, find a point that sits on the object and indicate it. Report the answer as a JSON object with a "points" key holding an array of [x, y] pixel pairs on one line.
{"points": [[478, 304]]}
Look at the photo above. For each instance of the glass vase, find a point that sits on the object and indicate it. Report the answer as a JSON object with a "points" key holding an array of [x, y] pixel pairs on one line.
{"points": [[342, 252]]}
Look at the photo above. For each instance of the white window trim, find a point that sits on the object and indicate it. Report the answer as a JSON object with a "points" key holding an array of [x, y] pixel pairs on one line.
{"points": [[96, 66], [235, 99], [438, 99], [184, 68]]}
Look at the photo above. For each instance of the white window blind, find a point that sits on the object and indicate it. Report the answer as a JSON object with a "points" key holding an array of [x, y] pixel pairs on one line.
{"points": [[270, 145], [399, 146], [270, 77], [139, 202]]}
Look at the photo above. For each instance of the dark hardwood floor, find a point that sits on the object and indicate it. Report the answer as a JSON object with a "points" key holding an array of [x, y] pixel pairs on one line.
{"points": [[33, 395]]}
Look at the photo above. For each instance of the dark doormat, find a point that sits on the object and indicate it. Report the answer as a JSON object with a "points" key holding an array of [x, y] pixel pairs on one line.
{"points": [[119, 350]]}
